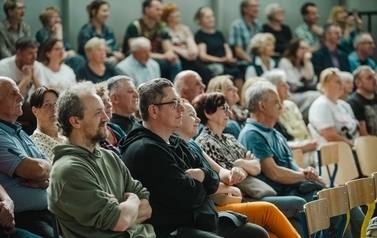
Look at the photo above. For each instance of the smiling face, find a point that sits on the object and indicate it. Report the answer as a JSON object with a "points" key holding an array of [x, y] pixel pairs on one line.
{"points": [[102, 14], [126, 98], [190, 122]]}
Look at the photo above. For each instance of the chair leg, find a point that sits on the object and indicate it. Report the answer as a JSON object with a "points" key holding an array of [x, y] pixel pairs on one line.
{"points": [[368, 216]]}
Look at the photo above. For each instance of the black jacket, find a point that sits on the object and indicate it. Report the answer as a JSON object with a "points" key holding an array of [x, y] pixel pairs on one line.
{"points": [[160, 167], [322, 60]]}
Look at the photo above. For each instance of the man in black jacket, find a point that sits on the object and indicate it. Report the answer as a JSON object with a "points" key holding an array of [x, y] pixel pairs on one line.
{"points": [[178, 182]]}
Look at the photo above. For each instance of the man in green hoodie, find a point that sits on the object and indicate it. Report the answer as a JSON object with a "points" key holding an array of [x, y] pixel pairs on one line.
{"points": [[91, 192]]}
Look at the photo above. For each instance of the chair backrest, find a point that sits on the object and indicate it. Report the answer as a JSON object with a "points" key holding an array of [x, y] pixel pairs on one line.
{"points": [[347, 169], [328, 156], [317, 216], [374, 176], [337, 199], [360, 192], [298, 155], [366, 150]]}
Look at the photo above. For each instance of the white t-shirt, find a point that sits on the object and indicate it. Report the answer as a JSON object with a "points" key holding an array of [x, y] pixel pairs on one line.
{"points": [[323, 114], [8, 68], [60, 80]]}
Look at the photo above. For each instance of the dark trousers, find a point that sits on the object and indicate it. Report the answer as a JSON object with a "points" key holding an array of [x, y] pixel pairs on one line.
{"points": [[37, 222], [198, 67]]}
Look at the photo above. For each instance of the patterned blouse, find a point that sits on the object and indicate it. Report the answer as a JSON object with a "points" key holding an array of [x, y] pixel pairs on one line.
{"points": [[45, 143], [223, 150]]}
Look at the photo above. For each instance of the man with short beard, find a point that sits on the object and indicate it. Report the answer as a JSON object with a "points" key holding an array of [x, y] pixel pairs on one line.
{"points": [[91, 192]]}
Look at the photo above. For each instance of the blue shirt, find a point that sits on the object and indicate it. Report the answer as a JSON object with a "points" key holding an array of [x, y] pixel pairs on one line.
{"points": [[266, 142], [15, 146], [355, 62], [43, 35]]}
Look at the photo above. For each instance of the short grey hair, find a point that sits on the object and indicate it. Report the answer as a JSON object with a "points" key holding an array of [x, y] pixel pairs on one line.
{"points": [[256, 93], [152, 92], [138, 43], [92, 43], [359, 39], [271, 9], [346, 76], [274, 76], [69, 104], [113, 83], [360, 70]]}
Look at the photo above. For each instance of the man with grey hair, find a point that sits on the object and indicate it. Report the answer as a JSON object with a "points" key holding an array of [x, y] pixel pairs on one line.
{"points": [[125, 100], [364, 100], [111, 203], [364, 46], [139, 65], [189, 84]]}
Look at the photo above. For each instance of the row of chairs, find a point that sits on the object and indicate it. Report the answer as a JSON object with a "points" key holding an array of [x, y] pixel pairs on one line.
{"points": [[338, 201]]}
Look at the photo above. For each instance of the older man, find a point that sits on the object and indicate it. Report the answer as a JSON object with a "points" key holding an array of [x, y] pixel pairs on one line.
{"points": [[179, 182], [125, 100], [138, 65], [12, 27], [24, 170], [364, 47], [91, 192], [364, 100], [189, 84]]}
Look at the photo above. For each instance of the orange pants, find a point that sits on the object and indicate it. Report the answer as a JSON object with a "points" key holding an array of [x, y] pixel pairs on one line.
{"points": [[265, 215]]}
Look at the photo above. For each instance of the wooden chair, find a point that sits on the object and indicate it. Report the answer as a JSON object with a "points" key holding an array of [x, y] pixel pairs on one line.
{"points": [[329, 155], [362, 192], [366, 150], [338, 206], [315, 218], [298, 155]]}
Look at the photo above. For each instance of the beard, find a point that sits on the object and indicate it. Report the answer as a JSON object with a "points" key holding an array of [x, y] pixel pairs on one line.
{"points": [[100, 134]]}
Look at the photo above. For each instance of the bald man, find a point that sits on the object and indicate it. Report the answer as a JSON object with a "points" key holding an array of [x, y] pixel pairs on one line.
{"points": [[189, 84]]}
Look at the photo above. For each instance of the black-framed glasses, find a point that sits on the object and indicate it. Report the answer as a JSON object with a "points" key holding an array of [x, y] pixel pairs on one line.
{"points": [[175, 102]]}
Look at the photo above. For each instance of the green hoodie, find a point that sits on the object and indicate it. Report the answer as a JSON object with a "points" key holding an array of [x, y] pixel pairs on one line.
{"points": [[79, 183]]}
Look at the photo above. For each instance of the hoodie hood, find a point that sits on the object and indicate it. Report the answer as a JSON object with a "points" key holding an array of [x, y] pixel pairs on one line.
{"points": [[68, 149]]}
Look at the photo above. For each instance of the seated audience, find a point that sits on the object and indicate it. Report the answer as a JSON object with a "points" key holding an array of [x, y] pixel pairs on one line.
{"points": [[59, 74], [282, 33], [52, 28], [46, 135], [183, 42], [124, 98], [7, 224], [364, 100], [189, 84], [309, 31], [225, 85], [347, 81], [96, 69], [12, 27], [139, 65], [151, 27], [350, 26], [279, 169], [213, 48], [261, 213], [263, 48], [224, 149], [364, 47], [114, 132], [98, 11], [329, 55], [111, 203], [290, 120], [330, 118], [177, 169], [243, 29], [24, 169]]}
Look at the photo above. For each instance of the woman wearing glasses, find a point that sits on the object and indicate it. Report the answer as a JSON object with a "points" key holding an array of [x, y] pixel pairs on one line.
{"points": [[332, 119]]}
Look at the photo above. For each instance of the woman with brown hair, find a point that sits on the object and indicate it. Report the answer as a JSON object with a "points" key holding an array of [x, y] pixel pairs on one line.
{"points": [[59, 75]]}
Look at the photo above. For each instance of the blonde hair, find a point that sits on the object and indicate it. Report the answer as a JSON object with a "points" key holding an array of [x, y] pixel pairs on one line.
{"points": [[326, 76], [333, 19], [258, 42], [92, 43], [246, 85], [46, 14], [218, 84]]}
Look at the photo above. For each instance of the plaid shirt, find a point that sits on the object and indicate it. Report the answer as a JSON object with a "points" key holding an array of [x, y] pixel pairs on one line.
{"points": [[303, 32], [9, 36], [240, 33]]}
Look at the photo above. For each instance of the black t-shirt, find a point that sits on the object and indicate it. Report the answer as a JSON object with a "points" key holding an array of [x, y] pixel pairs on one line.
{"points": [[365, 110], [85, 73], [282, 37], [215, 42]]}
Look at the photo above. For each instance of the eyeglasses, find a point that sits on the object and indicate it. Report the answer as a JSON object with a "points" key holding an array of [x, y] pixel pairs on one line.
{"points": [[226, 107], [176, 103]]}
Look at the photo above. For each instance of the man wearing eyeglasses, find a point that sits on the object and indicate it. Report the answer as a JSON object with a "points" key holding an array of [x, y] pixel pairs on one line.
{"points": [[12, 27], [178, 182], [364, 47]]}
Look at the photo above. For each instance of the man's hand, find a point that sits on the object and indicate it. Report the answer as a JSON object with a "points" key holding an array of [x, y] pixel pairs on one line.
{"points": [[320, 181], [35, 184], [317, 30], [237, 175], [310, 173], [7, 216], [111, 197], [27, 72], [196, 174], [171, 57], [145, 211]]}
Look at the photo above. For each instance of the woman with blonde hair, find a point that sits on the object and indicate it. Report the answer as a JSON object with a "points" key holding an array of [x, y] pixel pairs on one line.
{"points": [[262, 46], [350, 25]]}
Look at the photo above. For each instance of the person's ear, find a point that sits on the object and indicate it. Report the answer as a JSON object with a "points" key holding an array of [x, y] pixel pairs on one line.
{"points": [[153, 111], [209, 116], [261, 106], [75, 122], [34, 111]]}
